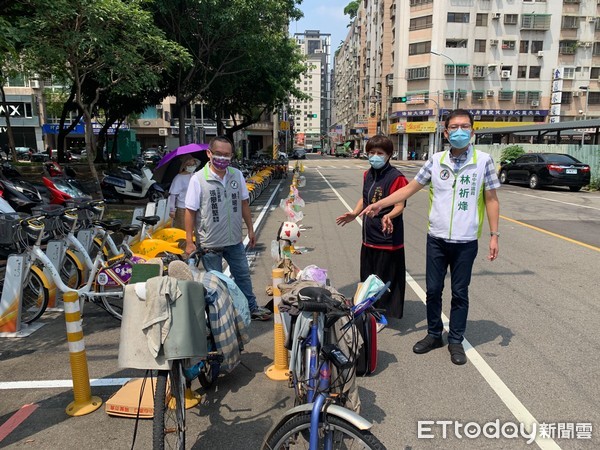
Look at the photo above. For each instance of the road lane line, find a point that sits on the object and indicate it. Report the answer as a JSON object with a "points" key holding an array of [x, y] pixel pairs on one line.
{"points": [[54, 384], [550, 233], [553, 200], [519, 411], [17, 419]]}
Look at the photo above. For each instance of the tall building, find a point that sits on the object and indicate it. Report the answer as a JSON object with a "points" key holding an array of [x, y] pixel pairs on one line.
{"points": [[517, 62], [312, 117]]}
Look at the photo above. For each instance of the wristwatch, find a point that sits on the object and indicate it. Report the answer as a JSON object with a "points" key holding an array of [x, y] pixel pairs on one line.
{"points": [[495, 233]]}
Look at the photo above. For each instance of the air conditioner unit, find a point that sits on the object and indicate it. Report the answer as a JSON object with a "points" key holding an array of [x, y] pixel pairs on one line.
{"points": [[505, 74], [540, 54], [576, 94], [159, 106], [489, 92], [591, 19], [587, 44], [535, 103], [493, 41], [496, 15], [163, 132], [34, 84]]}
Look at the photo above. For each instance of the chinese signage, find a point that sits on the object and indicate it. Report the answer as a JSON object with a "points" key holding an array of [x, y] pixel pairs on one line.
{"points": [[372, 126], [416, 113], [505, 112], [484, 125], [420, 127]]}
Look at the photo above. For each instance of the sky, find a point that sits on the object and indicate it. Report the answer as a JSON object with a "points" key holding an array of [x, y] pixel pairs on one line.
{"points": [[327, 16]]}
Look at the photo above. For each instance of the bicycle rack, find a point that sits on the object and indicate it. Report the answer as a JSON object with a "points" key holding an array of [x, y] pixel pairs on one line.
{"points": [[10, 302]]}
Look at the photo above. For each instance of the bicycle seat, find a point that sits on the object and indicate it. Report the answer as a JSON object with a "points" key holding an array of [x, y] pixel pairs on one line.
{"points": [[110, 225], [149, 220], [130, 230], [313, 293]]}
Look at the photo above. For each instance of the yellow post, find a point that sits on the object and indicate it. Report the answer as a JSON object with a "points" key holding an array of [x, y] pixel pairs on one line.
{"points": [[84, 402], [279, 370]]}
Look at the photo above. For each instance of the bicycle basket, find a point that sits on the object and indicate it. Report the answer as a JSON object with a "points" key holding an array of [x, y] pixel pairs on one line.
{"points": [[8, 226], [52, 215]]}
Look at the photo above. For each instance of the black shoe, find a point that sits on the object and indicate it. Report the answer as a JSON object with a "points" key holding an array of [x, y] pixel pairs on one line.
{"points": [[428, 344], [457, 354]]}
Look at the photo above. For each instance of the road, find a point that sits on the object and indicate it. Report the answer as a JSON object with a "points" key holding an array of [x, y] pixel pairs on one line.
{"points": [[532, 345]]}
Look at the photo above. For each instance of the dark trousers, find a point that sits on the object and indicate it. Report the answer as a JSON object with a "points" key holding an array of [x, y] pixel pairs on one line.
{"points": [[460, 258]]}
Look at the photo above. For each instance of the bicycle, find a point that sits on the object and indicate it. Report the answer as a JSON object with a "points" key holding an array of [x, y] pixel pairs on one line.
{"points": [[320, 419]]}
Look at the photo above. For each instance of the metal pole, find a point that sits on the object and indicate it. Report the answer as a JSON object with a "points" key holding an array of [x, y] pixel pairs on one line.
{"points": [[453, 78], [202, 138], [587, 96]]}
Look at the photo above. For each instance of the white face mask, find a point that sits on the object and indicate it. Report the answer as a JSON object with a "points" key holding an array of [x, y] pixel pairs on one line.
{"points": [[190, 169]]}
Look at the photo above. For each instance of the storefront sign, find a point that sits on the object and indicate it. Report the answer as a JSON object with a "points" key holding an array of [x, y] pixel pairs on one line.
{"points": [[420, 127], [483, 125], [15, 109], [372, 131], [505, 112], [415, 113]]}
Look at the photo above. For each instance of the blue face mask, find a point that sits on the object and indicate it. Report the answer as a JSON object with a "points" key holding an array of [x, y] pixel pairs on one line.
{"points": [[377, 162], [460, 138]]}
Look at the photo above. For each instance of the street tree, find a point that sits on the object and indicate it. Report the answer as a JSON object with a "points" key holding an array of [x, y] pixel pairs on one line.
{"points": [[219, 35], [111, 43]]}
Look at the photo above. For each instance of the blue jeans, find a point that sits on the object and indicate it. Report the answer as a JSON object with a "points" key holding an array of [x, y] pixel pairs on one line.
{"points": [[460, 258], [235, 255]]}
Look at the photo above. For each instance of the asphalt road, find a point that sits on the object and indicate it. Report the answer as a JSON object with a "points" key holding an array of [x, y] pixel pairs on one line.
{"points": [[532, 341]]}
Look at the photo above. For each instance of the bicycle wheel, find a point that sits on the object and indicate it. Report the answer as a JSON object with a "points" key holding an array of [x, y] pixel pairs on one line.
{"points": [[69, 272], [34, 297], [113, 304], [296, 431], [168, 426]]}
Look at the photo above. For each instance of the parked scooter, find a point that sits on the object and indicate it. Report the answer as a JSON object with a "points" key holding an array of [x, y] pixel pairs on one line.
{"points": [[63, 189], [20, 194], [131, 183]]}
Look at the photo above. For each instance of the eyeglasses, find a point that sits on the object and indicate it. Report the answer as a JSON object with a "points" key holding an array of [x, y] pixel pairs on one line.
{"points": [[464, 126]]}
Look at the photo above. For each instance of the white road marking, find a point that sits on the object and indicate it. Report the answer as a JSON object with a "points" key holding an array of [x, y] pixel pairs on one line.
{"points": [[511, 401], [51, 384], [553, 200]]}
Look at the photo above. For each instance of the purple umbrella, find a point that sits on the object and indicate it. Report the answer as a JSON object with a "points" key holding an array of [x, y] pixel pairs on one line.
{"points": [[170, 164]]}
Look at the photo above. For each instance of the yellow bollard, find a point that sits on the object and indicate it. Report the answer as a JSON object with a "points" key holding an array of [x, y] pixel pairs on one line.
{"points": [[301, 167], [84, 402], [279, 370]]}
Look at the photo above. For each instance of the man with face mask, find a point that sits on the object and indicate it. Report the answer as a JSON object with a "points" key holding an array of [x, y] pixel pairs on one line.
{"points": [[382, 250], [462, 183], [216, 204]]}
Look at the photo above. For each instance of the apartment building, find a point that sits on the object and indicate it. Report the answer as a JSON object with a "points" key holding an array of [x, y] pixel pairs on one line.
{"points": [[311, 117], [508, 62]]}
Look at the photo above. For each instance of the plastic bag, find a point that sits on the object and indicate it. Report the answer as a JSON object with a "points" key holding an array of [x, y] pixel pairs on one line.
{"points": [[313, 273], [369, 287]]}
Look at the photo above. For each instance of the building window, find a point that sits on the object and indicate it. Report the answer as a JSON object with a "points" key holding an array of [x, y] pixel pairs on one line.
{"points": [[478, 71], [458, 17], [511, 19], [595, 73], [593, 98], [417, 73], [456, 43], [505, 96], [537, 46], [533, 96], [570, 22], [460, 69], [477, 96], [566, 98], [17, 81], [421, 23], [569, 73], [522, 72], [523, 46], [521, 97], [481, 20], [419, 2], [572, 1], [596, 49], [508, 45], [419, 48], [567, 47], [534, 71], [535, 21], [479, 46]]}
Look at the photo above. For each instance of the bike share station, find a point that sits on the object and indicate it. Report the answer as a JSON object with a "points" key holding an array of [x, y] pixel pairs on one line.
{"points": [[19, 265]]}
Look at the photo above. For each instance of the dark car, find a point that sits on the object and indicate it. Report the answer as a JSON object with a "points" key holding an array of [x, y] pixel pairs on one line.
{"points": [[546, 169], [151, 156], [298, 153]]}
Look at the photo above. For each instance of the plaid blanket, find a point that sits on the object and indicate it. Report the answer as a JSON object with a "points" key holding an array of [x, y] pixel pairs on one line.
{"points": [[227, 326]]}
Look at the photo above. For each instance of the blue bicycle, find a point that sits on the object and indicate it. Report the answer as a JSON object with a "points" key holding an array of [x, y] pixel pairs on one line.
{"points": [[320, 420]]}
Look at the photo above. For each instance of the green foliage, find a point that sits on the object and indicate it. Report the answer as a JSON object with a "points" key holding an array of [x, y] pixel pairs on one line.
{"points": [[511, 152], [351, 9]]}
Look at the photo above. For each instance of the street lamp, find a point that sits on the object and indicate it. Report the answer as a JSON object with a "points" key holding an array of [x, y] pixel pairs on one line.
{"points": [[454, 76], [587, 96]]}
